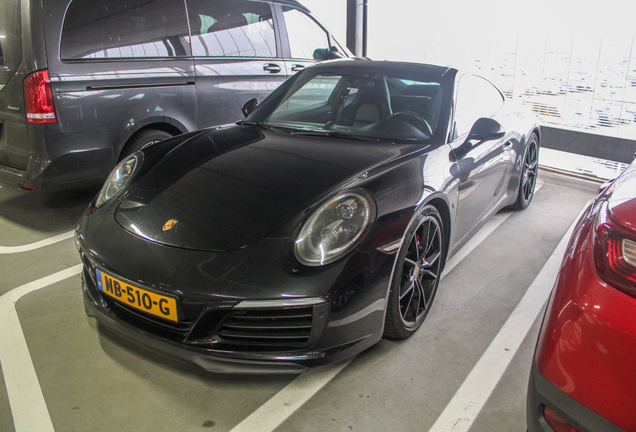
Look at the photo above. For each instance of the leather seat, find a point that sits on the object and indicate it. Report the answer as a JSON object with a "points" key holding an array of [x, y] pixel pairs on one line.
{"points": [[370, 104]]}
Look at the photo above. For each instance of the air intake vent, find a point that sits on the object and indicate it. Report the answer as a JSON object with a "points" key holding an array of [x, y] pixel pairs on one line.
{"points": [[273, 328], [268, 327]]}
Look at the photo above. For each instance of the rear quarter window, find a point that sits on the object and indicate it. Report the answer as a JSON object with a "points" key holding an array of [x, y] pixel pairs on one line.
{"points": [[124, 29]]}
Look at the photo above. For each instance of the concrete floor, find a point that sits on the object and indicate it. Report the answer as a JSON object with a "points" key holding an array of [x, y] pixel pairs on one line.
{"points": [[92, 381]]}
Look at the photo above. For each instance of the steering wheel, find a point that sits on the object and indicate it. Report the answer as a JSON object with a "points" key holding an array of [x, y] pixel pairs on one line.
{"points": [[414, 119]]}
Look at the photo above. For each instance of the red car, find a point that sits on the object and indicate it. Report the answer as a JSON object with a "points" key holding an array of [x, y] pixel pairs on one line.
{"points": [[583, 375]]}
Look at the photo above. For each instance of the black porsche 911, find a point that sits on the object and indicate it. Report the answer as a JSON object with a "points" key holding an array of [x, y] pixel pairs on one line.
{"points": [[311, 229]]}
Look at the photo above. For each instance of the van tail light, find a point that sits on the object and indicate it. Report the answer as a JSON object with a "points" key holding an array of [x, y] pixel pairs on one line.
{"points": [[615, 255], [38, 98], [556, 422]]}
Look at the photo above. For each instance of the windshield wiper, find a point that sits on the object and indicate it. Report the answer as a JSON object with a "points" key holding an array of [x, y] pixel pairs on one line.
{"points": [[267, 126], [334, 134]]}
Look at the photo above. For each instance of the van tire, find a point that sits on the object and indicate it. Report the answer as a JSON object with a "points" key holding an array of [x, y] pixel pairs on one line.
{"points": [[142, 138]]}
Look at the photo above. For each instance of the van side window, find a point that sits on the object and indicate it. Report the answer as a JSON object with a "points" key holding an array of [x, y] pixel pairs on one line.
{"points": [[307, 40], [124, 29], [235, 28]]}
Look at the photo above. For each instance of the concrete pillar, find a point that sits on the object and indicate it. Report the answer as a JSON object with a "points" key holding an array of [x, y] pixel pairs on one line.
{"points": [[357, 27]]}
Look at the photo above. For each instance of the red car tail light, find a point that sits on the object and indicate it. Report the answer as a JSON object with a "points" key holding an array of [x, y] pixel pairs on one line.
{"points": [[38, 98], [615, 255], [556, 422]]}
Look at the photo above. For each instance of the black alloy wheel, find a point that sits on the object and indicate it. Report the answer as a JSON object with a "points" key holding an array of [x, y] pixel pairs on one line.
{"points": [[416, 275], [529, 171]]}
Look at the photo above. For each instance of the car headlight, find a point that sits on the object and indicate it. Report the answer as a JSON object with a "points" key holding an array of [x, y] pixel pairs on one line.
{"points": [[334, 229], [119, 178]]}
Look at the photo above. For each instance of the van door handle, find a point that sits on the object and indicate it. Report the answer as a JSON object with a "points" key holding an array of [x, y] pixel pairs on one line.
{"points": [[271, 68], [297, 67]]}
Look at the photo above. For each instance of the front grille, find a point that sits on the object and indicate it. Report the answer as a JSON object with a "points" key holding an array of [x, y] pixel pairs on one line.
{"points": [[270, 326]]}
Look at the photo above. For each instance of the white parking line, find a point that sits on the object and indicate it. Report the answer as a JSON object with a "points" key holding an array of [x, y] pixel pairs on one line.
{"points": [[279, 408], [464, 407], [28, 408], [36, 245]]}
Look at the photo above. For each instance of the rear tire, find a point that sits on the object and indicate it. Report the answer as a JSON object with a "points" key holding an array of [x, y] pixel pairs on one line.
{"points": [[142, 138], [529, 171], [416, 276]]}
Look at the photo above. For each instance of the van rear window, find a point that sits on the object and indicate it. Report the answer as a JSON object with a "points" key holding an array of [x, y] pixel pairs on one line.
{"points": [[115, 29], [10, 39]]}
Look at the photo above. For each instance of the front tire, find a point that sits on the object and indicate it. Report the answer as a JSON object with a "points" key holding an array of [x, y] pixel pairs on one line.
{"points": [[529, 171], [416, 276]]}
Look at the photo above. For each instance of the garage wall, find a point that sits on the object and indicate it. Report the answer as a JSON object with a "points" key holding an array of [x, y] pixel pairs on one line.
{"points": [[588, 144]]}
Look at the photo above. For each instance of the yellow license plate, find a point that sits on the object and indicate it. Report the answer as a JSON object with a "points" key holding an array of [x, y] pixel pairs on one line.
{"points": [[139, 298]]}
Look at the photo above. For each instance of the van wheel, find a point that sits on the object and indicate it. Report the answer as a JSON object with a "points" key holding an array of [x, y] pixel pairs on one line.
{"points": [[142, 138]]}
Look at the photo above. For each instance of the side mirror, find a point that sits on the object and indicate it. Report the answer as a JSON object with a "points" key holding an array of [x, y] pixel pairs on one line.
{"points": [[249, 106], [334, 53], [486, 129]]}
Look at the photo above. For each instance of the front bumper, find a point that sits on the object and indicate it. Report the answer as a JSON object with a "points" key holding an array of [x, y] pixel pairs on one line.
{"points": [[327, 343], [210, 363]]}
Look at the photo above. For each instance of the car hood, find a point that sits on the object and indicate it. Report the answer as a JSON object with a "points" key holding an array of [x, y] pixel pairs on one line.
{"points": [[228, 187]]}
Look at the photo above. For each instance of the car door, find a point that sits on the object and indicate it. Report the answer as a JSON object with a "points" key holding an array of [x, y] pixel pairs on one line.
{"points": [[237, 56], [481, 165], [305, 41]]}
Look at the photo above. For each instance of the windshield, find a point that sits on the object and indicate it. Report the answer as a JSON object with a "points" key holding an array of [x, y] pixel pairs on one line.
{"points": [[10, 39], [372, 105]]}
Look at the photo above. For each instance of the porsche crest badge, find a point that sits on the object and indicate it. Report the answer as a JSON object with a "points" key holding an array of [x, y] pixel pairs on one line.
{"points": [[169, 225]]}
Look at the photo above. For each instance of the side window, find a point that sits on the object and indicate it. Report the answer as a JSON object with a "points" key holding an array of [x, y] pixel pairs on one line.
{"points": [[476, 98], [124, 29], [307, 40], [235, 28]]}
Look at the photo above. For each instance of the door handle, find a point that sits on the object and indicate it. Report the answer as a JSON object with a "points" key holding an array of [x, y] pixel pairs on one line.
{"points": [[271, 68], [297, 67]]}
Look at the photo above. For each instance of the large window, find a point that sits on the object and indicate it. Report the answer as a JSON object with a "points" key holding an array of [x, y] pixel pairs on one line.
{"points": [[124, 29], [234, 28], [574, 65]]}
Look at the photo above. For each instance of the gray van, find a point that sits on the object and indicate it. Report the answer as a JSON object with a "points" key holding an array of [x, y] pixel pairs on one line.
{"points": [[84, 83]]}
